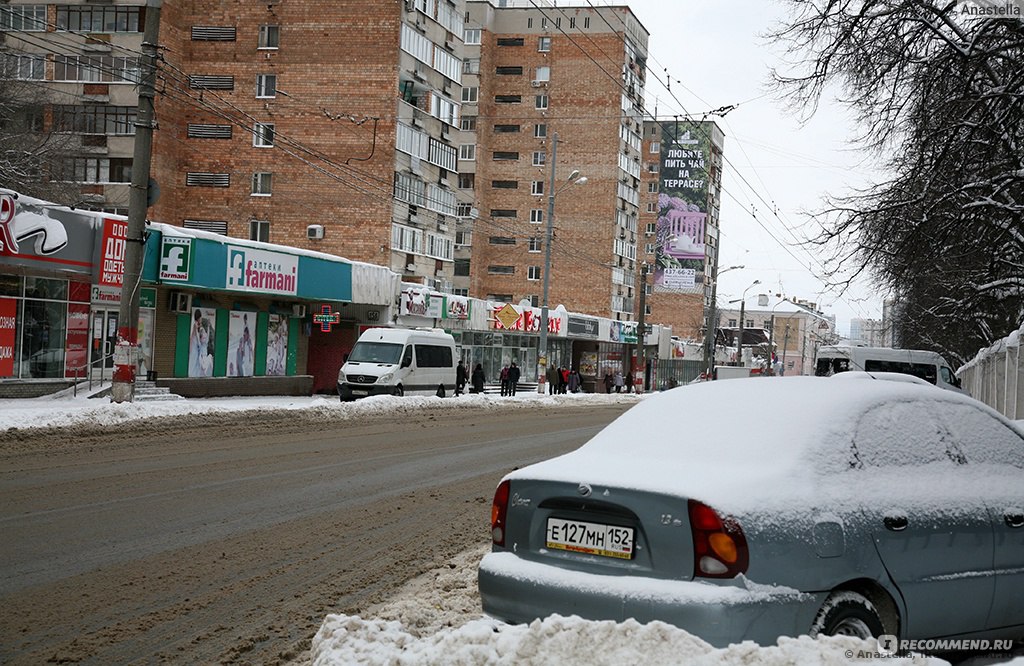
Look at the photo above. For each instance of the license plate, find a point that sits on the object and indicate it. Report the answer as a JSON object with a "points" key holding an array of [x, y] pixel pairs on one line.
{"points": [[360, 392], [592, 538]]}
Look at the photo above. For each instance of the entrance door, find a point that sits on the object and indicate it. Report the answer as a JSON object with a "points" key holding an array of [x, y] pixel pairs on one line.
{"points": [[103, 337]]}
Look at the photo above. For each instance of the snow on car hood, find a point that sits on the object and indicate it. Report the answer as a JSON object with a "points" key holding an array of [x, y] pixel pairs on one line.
{"points": [[745, 446]]}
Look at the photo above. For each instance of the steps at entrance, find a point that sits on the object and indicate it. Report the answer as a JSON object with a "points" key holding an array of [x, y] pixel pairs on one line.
{"points": [[146, 391]]}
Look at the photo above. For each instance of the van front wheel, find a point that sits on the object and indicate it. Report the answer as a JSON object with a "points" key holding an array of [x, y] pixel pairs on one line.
{"points": [[398, 391]]}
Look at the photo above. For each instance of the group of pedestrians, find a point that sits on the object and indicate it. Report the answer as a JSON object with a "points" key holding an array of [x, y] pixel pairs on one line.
{"points": [[613, 380], [562, 380], [476, 379], [510, 379]]}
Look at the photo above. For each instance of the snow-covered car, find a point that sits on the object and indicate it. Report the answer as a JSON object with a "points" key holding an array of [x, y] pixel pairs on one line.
{"points": [[752, 510]]}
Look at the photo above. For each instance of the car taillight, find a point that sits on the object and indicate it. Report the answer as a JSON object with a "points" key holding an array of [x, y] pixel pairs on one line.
{"points": [[719, 547], [498, 511]]}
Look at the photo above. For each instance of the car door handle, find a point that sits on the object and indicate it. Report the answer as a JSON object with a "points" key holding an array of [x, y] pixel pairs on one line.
{"points": [[1014, 519], [895, 523]]}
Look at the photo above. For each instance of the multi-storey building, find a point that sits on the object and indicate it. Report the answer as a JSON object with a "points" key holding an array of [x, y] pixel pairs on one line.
{"points": [[871, 332], [679, 217], [540, 81]]}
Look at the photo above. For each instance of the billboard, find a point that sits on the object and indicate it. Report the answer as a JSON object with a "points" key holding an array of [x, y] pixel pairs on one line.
{"points": [[682, 207]]}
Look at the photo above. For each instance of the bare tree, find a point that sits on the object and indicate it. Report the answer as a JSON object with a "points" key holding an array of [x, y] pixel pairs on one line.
{"points": [[938, 91]]}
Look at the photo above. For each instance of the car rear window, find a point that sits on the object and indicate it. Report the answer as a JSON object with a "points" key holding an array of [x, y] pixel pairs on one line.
{"points": [[982, 437]]}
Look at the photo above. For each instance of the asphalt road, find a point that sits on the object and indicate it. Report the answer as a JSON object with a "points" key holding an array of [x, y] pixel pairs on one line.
{"points": [[227, 539]]}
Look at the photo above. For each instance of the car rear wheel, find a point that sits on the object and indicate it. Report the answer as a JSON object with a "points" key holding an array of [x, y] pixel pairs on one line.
{"points": [[847, 613]]}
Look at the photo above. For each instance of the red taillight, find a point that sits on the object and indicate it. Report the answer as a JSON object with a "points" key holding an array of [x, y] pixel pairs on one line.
{"points": [[719, 547], [498, 511]]}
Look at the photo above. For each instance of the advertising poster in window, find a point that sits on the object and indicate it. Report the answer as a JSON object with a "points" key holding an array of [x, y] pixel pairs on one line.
{"points": [[241, 339], [8, 332], [682, 207], [145, 361], [277, 345], [201, 342], [76, 340]]}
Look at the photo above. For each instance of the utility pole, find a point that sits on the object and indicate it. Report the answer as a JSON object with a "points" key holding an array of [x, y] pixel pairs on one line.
{"points": [[641, 328], [739, 338], [126, 351], [711, 332], [542, 347]]}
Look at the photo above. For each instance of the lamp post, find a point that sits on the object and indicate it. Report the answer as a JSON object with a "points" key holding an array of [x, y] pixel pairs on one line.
{"points": [[712, 322], [573, 179], [739, 340]]}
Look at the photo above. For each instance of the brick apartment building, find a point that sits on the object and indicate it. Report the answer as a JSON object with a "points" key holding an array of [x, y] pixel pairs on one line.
{"points": [[534, 72]]}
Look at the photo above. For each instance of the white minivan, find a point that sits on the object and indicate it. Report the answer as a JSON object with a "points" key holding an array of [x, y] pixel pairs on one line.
{"points": [[399, 361], [927, 365]]}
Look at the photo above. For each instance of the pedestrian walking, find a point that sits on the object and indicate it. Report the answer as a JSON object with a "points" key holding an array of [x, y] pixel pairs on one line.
{"points": [[478, 379], [564, 377], [460, 378], [552, 378], [513, 378], [608, 381], [574, 381], [503, 377], [619, 382]]}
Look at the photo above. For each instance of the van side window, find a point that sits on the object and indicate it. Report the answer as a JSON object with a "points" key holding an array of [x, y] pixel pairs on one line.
{"points": [[407, 357], [827, 367], [925, 371], [433, 356]]}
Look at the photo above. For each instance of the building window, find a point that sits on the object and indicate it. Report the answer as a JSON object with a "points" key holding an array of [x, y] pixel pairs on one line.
{"points": [[537, 216], [651, 227], [471, 36], [509, 70], [501, 270], [732, 323], [539, 157], [501, 240], [649, 248], [461, 268], [652, 207], [510, 41], [263, 135], [542, 74], [466, 181], [93, 170], [262, 183], [505, 184], [266, 85], [535, 245], [529, 23], [24, 67], [468, 124], [537, 187], [270, 36], [540, 130], [464, 210], [572, 22], [652, 187], [23, 18], [544, 44], [471, 66], [540, 102], [533, 273], [504, 212], [506, 129], [98, 19], [508, 99], [655, 146], [94, 119], [535, 301], [95, 69], [469, 95], [259, 230], [586, 21], [505, 156], [647, 309], [463, 238], [467, 152], [652, 167]]}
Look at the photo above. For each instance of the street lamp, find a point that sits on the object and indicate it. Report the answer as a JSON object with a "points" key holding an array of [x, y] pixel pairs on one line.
{"points": [[739, 342], [712, 323], [574, 179]]}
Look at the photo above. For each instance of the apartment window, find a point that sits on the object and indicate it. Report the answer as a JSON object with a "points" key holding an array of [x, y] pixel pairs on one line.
{"points": [[469, 95], [535, 245], [540, 102], [464, 210], [529, 23], [461, 268], [505, 184], [537, 216], [95, 69], [463, 238], [506, 129], [510, 41], [23, 18], [24, 67], [501, 270], [467, 181], [749, 324], [533, 273], [652, 207], [544, 44], [505, 155], [539, 157], [471, 66], [467, 152], [540, 130], [652, 167], [270, 36], [586, 21], [471, 36], [266, 85], [468, 124], [504, 212], [655, 146], [542, 74], [652, 187], [263, 135], [98, 19], [535, 301], [93, 170], [261, 184], [259, 230], [732, 323], [649, 248], [509, 70], [647, 309], [537, 187], [508, 99], [572, 22], [651, 227], [544, 23], [501, 240]]}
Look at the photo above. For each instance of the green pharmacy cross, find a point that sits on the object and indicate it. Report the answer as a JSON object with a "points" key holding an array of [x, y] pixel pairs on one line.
{"points": [[325, 318]]}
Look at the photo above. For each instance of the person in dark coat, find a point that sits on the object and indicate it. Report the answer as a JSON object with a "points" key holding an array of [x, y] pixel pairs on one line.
{"points": [[552, 377], [503, 376], [460, 378], [608, 381], [478, 379], [574, 381], [513, 378]]}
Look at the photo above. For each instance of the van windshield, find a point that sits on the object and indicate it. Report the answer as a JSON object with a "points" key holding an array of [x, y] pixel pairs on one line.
{"points": [[376, 352]]}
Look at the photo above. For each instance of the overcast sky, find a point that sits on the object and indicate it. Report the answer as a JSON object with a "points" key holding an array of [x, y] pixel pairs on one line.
{"points": [[715, 56]]}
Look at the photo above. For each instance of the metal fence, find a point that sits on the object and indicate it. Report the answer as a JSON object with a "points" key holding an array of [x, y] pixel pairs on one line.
{"points": [[996, 376]]}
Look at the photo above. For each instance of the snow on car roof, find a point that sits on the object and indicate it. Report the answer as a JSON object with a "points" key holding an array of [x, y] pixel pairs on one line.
{"points": [[732, 443]]}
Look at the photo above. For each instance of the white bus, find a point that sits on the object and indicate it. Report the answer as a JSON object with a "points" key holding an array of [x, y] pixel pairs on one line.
{"points": [[927, 365]]}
